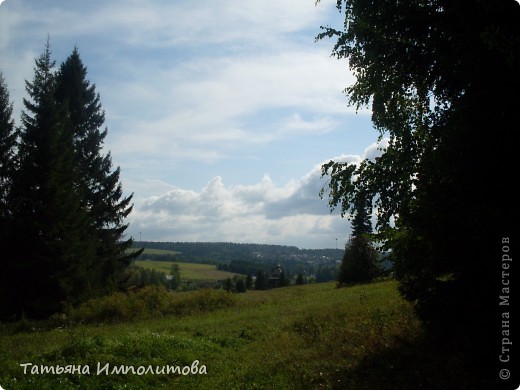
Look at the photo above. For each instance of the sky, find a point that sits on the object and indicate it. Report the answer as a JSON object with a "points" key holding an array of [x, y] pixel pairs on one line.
{"points": [[219, 113]]}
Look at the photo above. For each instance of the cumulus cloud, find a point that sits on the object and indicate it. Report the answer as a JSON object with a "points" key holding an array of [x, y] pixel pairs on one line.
{"points": [[262, 212], [292, 213], [376, 149]]}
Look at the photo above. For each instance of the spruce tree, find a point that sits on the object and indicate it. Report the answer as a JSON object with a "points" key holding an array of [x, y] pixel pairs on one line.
{"points": [[360, 260], [261, 281], [284, 281], [46, 208], [249, 281], [102, 194], [359, 263], [240, 285], [7, 147], [228, 285], [7, 167], [361, 223]]}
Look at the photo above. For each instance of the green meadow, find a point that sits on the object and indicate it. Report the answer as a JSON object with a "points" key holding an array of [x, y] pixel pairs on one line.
{"points": [[298, 337], [153, 251], [189, 271]]}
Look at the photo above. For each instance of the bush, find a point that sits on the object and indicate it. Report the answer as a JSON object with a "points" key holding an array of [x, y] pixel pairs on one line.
{"points": [[204, 300], [151, 301]]}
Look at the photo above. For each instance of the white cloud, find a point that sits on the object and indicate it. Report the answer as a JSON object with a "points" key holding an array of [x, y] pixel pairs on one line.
{"points": [[262, 212], [376, 149], [291, 213], [209, 106]]}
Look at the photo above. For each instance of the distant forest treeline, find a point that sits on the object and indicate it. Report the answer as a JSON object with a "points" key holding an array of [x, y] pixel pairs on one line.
{"points": [[226, 252], [319, 264]]}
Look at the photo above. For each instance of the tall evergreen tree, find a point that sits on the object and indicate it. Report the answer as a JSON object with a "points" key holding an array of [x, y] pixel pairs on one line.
{"points": [[47, 214], [249, 281], [228, 285], [102, 194], [360, 260], [240, 285], [261, 281], [7, 146], [359, 263], [7, 166], [361, 223]]}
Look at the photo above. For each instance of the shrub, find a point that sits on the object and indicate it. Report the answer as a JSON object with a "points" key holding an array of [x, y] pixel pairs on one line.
{"points": [[204, 300], [151, 301]]}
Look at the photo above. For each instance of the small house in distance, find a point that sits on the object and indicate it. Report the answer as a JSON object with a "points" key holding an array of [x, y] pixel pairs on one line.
{"points": [[275, 276]]}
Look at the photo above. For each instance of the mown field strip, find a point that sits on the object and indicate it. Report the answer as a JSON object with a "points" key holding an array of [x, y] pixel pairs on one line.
{"points": [[189, 271]]}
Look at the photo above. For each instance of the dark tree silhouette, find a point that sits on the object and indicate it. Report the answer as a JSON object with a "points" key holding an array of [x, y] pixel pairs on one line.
{"points": [[47, 216], [101, 191], [442, 79]]}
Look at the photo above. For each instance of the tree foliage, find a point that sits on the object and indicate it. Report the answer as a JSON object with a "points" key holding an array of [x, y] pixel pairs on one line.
{"points": [[360, 263], [8, 143], [46, 211], [62, 207], [249, 281], [284, 280], [240, 285], [361, 223], [228, 285], [176, 279], [99, 185], [261, 282], [441, 77]]}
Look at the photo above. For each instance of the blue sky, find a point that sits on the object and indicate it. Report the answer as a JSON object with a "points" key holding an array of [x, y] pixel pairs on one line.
{"points": [[219, 113]]}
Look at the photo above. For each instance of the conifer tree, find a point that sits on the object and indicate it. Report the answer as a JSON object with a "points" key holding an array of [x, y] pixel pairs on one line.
{"points": [[102, 194], [284, 281], [228, 285], [7, 166], [261, 281], [47, 214], [361, 223], [240, 285], [360, 260], [7, 146], [249, 281]]}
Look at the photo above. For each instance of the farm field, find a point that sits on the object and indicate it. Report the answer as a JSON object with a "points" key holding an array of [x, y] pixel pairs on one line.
{"points": [[189, 271], [152, 251]]}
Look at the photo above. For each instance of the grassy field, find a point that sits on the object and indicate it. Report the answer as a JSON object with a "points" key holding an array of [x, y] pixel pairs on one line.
{"points": [[151, 251], [299, 337], [189, 271]]}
